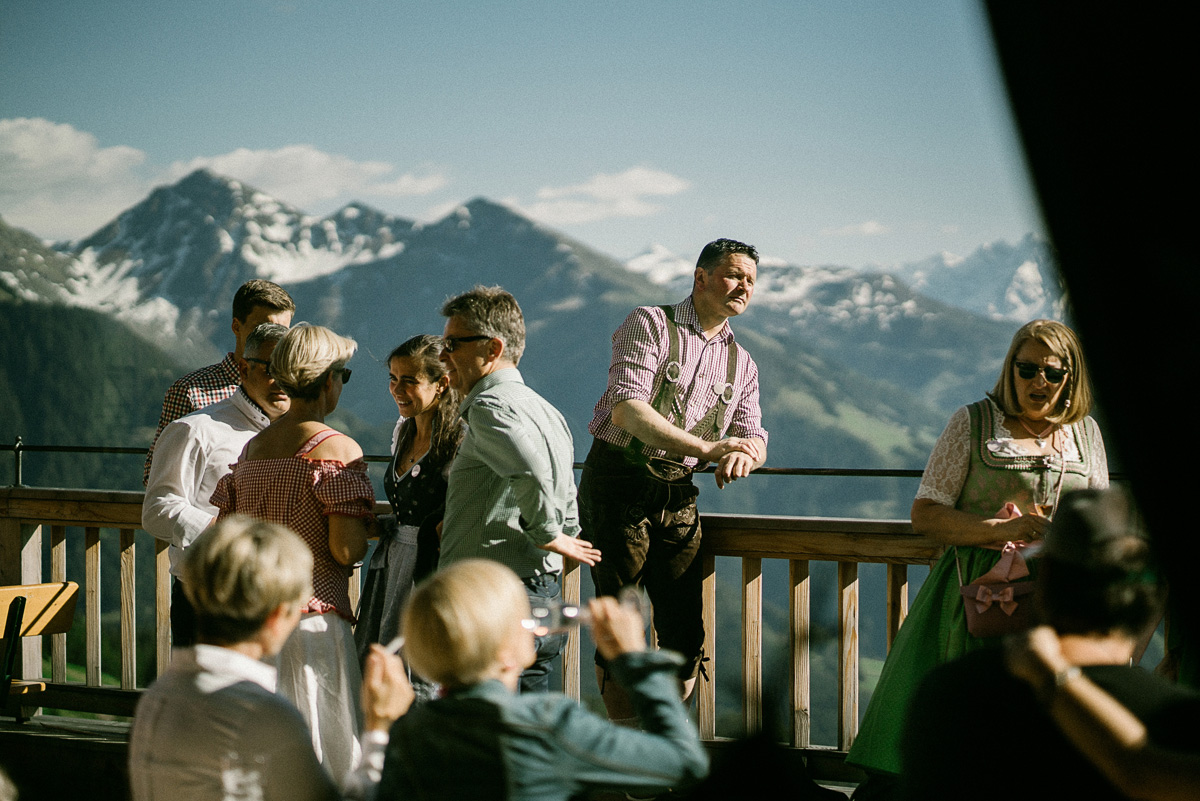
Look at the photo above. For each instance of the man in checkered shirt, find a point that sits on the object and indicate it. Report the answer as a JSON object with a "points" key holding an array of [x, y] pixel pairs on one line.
{"points": [[256, 302], [680, 394]]}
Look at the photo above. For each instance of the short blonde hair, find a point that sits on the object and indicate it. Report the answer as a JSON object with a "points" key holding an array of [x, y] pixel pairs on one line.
{"points": [[304, 358], [239, 572], [1075, 402], [458, 619]]}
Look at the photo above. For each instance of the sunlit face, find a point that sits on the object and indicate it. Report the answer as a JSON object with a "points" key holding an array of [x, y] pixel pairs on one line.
{"points": [[259, 385], [1037, 397], [469, 361], [413, 392], [727, 291]]}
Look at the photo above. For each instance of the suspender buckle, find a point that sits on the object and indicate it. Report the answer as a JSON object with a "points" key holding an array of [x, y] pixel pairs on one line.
{"points": [[723, 391], [673, 372]]}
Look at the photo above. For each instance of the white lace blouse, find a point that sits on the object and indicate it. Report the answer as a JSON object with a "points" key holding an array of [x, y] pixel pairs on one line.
{"points": [[946, 471]]}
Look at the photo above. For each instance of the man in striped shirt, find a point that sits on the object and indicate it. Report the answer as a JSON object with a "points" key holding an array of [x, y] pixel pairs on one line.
{"points": [[256, 302], [681, 393]]}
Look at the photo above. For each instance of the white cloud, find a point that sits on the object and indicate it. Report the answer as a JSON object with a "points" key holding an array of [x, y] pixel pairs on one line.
{"points": [[605, 196], [302, 175], [868, 228], [58, 182]]}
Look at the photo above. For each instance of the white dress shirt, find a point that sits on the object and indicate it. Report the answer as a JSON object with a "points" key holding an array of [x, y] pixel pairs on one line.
{"points": [[190, 457]]}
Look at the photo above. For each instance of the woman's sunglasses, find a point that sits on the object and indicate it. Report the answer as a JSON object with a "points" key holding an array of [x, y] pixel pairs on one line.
{"points": [[1028, 370]]}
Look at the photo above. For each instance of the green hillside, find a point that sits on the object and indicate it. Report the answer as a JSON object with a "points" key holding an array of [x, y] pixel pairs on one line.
{"points": [[72, 376]]}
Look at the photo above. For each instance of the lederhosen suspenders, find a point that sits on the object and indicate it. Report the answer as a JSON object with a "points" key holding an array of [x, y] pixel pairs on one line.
{"points": [[708, 427]]}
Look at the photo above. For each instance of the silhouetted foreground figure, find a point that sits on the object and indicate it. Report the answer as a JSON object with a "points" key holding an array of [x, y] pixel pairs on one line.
{"points": [[975, 731]]}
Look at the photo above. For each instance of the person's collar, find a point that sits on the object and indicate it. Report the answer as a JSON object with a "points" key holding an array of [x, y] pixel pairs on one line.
{"points": [[229, 663], [504, 375], [685, 315], [229, 367], [252, 410]]}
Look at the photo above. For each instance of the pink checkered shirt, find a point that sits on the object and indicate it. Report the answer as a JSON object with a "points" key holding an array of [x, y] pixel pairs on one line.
{"points": [[301, 493], [641, 346], [193, 392]]}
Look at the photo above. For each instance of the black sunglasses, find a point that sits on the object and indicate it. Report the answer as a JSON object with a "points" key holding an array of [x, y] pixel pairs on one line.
{"points": [[450, 344], [345, 371], [1028, 370]]}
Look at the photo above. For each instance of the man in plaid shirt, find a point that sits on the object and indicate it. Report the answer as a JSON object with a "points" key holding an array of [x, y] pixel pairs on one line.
{"points": [[681, 393], [256, 302]]}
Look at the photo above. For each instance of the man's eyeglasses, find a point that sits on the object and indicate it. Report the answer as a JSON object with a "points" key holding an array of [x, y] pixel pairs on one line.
{"points": [[266, 363], [1028, 370], [345, 371], [450, 344]]}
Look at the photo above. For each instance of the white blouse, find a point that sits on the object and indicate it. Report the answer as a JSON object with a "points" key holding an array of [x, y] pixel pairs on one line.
{"points": [[946, 471]]}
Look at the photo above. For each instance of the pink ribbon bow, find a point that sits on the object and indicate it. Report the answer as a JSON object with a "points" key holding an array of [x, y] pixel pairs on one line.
{"points": [[984, 597]]}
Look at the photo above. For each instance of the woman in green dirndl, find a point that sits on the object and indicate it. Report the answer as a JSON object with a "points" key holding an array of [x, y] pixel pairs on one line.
{"points": [[994, 477]]}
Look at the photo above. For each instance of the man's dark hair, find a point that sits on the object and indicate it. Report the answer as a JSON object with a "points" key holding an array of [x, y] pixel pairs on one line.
{"points": [[715, 252], [258, 292], [493, 312], [1097, 573]]}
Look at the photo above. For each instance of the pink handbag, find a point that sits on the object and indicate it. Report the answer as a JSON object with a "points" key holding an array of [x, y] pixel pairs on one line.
{"points": [[994, 603]]}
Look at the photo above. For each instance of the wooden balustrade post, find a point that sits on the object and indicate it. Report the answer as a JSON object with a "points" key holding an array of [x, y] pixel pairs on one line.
{"points": [[847, 653], [706, 690], [162, 606], [897, 600], [91, 594], [128, 611], [572, 681], [801, 628], [21, 563], [58, 572], [752, 644]]}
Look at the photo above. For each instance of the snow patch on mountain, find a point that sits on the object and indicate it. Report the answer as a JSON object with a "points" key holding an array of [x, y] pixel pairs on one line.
{"points": [[661, 266]]}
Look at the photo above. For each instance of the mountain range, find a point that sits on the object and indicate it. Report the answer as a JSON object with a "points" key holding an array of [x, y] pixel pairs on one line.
{"points": [[859, 368]]}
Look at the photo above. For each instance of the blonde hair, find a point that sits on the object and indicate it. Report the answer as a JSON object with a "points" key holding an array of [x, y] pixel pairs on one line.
{"points": [[458, 619], [306, 356], [239, 572], [1075, 402]]}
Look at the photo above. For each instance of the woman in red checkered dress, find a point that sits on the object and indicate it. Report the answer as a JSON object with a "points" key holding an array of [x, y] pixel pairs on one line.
{"points": [[303, 474]]}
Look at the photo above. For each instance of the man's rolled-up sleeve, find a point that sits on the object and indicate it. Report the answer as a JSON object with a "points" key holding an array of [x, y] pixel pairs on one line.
{"points": [[638, 351], [171, 511]]}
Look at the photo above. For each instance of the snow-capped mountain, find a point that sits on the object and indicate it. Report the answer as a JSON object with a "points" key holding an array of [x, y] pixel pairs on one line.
{"points": [[1004, 282], [170, 264]]}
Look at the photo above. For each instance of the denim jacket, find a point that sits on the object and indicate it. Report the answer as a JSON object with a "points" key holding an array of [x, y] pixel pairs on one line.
{"points": [[484, 742]]}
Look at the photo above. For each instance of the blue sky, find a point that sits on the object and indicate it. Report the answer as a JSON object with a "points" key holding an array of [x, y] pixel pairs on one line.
{"points": [[824, 132]]}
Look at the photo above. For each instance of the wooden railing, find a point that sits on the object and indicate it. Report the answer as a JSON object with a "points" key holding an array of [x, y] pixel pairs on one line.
{"points": [[29, 515]]}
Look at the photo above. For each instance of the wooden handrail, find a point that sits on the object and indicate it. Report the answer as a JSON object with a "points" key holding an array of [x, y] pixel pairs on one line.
{"points": [[26, 512]]}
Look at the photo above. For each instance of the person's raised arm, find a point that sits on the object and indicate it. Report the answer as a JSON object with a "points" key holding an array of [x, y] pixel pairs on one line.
{"points": [[1107, 733]]}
